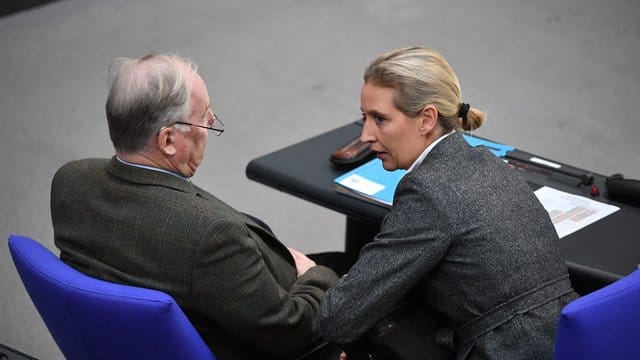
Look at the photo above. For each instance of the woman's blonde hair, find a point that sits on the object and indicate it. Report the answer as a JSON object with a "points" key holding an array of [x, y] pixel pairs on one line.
{"points": [[423, 77]]}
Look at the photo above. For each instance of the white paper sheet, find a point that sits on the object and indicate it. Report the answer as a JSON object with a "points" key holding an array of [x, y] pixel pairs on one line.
{"points": [[569, 212]]}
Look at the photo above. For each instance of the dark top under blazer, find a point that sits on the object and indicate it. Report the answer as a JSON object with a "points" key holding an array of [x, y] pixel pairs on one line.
{"points": [[234, 280], [469, 234]]}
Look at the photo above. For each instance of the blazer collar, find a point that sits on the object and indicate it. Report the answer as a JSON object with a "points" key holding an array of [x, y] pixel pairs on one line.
{"points": [[447, 150], [143, 176], [451, 145]]}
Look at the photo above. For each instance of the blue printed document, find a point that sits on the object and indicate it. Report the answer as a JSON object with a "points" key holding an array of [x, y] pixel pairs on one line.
{"points": [[372, 182]]}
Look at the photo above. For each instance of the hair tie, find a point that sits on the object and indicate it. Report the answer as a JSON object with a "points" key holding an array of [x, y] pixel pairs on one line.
{"points": [[464, 109]]}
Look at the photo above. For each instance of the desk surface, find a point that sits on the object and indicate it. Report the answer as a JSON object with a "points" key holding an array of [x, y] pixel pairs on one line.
{"points": [[609, 248]]}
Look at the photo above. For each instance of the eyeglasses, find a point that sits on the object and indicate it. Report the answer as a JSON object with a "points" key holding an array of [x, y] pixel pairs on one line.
{"points": [[217, 130]]}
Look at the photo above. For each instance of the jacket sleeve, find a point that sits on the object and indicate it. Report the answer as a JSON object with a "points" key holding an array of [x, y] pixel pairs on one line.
{"points": [[410, 243], [234, 288]]}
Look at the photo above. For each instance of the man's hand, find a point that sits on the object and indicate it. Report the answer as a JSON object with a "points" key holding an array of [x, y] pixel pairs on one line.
{"points": [[303, 263]]}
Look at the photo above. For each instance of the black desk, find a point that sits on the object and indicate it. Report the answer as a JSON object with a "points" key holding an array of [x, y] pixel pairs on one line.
{"points": [[597, 255]]}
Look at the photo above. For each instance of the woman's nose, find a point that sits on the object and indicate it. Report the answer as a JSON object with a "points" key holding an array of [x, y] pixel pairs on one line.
{"points": [[367, 134]]}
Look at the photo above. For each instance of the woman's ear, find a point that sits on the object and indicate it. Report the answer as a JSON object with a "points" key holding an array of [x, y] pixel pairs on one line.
{"points": [[166, 141], [428, 119]]}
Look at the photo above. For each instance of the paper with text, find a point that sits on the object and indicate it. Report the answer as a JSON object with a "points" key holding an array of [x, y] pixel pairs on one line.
{"points": [[570, 213]]}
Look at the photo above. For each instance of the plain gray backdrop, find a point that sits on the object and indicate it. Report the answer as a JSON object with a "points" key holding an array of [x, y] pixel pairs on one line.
{"points": [[557, 78]]}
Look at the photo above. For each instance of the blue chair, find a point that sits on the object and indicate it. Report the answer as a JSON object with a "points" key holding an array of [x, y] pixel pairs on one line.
{"points": [[94, 319], [604, 324]]}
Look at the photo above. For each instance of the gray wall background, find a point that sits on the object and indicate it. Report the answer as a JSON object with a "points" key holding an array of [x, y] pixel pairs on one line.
{"points": [[557, 78]]}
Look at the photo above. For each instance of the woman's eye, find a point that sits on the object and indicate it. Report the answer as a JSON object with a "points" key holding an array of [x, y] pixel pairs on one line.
{"points": [[376, 117], [379, 118]]}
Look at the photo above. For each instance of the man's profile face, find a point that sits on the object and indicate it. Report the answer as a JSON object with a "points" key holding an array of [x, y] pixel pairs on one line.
{"points": [[195, 138]]}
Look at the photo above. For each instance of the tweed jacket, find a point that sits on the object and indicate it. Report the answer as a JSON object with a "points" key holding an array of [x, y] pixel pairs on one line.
{"points": [[234, 280], [468, 234]]}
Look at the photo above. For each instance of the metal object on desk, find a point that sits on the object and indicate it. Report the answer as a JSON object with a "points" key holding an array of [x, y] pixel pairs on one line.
{"points": [[585, 178]]}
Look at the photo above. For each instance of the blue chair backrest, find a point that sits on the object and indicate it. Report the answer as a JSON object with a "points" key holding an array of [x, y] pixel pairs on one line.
{"points": [[604, 324], [94, 319]]}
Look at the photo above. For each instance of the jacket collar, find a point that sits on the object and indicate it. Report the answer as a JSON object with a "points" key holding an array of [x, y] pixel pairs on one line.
{"points": [[448, 150], [451, 145], [144, 176]]}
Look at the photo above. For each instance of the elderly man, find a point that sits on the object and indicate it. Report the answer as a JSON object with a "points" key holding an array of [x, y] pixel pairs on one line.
{"points": [[137, 219]]}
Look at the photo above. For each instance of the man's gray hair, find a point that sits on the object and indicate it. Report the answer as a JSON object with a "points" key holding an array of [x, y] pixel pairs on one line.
{"points": [[144, 95]]}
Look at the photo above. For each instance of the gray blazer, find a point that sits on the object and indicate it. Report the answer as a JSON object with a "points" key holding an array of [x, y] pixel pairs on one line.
{"points": [[235, 281], [468, 234]]}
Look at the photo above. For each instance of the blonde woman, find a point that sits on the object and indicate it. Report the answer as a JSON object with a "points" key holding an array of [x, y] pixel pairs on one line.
{"points": [[465, 232]]}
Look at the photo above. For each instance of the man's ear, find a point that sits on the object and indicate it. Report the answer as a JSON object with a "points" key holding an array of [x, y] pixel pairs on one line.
{"points": [[428, 119], [166, 141]]}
